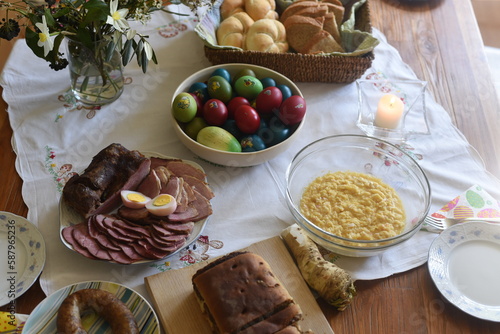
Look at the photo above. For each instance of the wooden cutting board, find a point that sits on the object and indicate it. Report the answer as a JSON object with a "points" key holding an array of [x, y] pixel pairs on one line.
{"points": [[178, 310]]}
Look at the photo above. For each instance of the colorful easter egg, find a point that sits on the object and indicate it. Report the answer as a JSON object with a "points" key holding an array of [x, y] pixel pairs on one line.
{"points": [[488, 213], [450, 205], [222, 72], [248, 87], [219, 88], [252, 143], [474, 199], [463, 212]]}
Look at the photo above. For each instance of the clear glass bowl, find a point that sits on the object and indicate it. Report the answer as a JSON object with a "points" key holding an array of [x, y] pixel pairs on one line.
{"points": [[360, 154]]}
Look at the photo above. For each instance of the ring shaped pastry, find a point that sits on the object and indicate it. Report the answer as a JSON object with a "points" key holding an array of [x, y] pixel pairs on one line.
{"points": [[104, 303]]}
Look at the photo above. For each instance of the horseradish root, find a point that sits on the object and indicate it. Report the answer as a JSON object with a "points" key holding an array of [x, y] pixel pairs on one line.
{"points": [[331, 282]]}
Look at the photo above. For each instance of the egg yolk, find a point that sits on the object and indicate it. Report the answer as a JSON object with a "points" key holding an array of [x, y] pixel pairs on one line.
{"points": [[134, 197], [162, 200]]}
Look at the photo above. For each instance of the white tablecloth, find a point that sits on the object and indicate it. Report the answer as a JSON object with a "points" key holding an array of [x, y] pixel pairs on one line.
{"points": [[54, 137]]}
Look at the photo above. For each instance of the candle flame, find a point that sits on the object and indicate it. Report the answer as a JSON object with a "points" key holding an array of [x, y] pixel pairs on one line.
{"points": [[392, 101]]}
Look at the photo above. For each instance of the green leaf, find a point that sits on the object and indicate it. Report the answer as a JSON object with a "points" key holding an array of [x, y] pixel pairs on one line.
{"points": [[84, 37], [32, 41], [145, 61], [110, 48], [139, 50], [97, 11], [153, 58], [62, 12], [127, 52], [49, 18]]}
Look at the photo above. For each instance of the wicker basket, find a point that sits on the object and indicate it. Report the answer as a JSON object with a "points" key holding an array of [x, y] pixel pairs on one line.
{"points": [[304, 67]]}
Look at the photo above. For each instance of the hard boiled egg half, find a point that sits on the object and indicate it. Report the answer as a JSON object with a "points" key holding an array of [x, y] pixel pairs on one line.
{"points": [[162, 205], [133, 199]]}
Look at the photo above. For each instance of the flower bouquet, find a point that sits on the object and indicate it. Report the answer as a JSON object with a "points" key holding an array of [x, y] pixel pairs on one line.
{"points": [[99, 38]]}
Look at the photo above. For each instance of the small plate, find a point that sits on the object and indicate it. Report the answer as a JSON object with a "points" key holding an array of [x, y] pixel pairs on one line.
{"points": [[43, 319], [22, 256], [68, 217], [464, 263]]}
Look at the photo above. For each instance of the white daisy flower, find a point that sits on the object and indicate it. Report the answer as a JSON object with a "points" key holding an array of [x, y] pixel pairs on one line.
{"points": [[117, 16], [44, 37]]}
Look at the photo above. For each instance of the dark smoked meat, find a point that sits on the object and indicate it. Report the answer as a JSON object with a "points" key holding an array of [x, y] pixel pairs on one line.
{"points": [[97, 189]]}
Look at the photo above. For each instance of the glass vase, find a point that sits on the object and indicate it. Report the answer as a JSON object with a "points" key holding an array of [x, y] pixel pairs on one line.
{"points": [[96, 73]]}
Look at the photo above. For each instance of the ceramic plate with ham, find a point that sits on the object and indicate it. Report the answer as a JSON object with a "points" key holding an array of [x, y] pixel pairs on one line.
{"points": [[95, 223]]}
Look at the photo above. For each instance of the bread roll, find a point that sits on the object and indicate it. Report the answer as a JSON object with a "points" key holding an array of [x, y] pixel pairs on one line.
{"points": [[233, 30], [267, 35], [261, 9], [231, 7]]}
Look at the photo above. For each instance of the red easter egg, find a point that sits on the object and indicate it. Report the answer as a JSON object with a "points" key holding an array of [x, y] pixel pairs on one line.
{"points": [[292, 110], [199, 104], [247, 119], [268, 100], [215, 112], [234, 103]]}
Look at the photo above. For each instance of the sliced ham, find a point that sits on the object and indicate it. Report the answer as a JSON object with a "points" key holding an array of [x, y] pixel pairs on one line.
{"points": [[200, 186], [173, 228], [181, 169], [186, 216], [163, 174], [67, 234], [202, 206], [101, 238], [151, 185], [138, 216], [82, 237]]}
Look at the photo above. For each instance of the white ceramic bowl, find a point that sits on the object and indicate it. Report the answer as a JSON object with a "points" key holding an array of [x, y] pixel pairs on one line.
{"points": [[235, 159], [360, 154]]}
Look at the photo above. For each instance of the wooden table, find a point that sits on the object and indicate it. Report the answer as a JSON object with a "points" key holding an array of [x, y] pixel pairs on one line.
{"points": [[440, 40]]}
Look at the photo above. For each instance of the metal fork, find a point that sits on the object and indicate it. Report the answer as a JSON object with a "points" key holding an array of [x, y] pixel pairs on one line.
{"points": [[443, 223]]}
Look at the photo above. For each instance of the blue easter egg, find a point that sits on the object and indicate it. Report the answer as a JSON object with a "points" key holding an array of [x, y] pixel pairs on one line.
{"points": [[286, 91], [201, 90], [223, 73], [273, 132], [268, 82], [252, 143], [230, 126]]}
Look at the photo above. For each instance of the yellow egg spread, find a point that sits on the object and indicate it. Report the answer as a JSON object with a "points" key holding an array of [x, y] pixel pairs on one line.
{"points": [[353, 205]]}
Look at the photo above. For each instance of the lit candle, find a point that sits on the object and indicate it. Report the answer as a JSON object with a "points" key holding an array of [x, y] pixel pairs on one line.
{"points": [[389, 111]]}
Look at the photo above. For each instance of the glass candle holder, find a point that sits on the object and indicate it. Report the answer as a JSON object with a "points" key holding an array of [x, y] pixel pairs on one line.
{"points": [[392, 110]]}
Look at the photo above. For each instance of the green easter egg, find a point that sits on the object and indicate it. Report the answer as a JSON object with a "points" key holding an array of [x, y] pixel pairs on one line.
{"points": [[474, 199], [184, 107], [219, 139], [248, 87], [193, 127], [219, 88], [242, 73]]}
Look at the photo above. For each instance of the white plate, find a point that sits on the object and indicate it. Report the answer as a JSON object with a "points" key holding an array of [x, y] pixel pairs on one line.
{"points": [[464, 263], [68, 217], [43, 319], [22, 256]]}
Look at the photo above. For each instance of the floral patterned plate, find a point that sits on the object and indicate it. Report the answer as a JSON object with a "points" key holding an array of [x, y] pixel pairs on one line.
{"points": [[22, 256], [43, 319], [464, 263]]}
